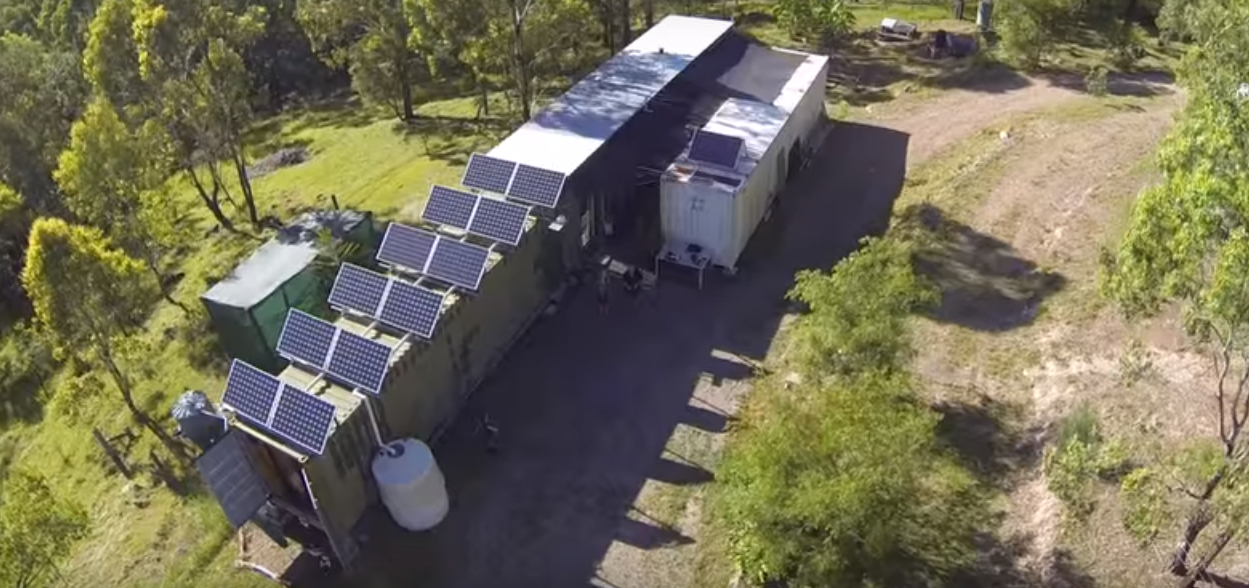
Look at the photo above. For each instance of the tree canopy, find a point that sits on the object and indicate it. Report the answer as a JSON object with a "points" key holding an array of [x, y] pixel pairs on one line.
{"points": [[1187, 243], [841, 480], [37, 529]]}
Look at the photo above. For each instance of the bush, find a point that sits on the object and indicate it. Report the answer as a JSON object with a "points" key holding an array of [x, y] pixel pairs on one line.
{"points": [[1078, 458], [1098, 84], [814, 21], [1144, 504], [1127, 43]]}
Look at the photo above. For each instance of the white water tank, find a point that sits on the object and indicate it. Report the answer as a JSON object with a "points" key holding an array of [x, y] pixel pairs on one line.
{"points": [[411, 485]]}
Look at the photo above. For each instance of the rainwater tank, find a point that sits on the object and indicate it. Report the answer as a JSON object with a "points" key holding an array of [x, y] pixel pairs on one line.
{"points": [[411, 485]]}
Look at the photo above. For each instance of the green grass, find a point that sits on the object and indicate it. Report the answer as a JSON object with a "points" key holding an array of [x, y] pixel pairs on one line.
{"points": [[143, 534]]}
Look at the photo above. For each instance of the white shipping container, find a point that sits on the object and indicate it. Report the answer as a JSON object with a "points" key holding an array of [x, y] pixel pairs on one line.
{"points": [[719, 209]]}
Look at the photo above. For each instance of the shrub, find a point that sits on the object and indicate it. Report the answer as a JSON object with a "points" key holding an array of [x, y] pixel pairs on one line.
{"points": [[1144, 504], [815, 21], [1127, 43], [1098, 84], [1078, 458]]}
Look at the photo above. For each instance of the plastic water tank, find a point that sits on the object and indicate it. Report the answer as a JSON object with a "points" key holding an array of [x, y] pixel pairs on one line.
{"points": [[411, 485]]}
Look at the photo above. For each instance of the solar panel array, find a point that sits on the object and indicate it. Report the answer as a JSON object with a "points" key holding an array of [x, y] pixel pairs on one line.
{"points": [[499, 220], [535, 185], [306, 339], [458, 263], [398, 304], [406, 247], [455, 262], [488, 173], [412, 308], [359, 361], [292, 414], [716, 149], [358, 289], [447, 206], [481, 215], [353, 359], [232, 479]]}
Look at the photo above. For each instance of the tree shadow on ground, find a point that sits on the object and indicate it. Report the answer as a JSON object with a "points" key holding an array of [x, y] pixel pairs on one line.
{"points": [[452, 139], [984, 284], [1142, 84], [862, 70], [1003, 564], [980, 434], [650, 534]]}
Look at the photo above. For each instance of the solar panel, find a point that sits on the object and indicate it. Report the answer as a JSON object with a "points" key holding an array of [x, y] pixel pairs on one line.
{"points": [[306, 339], [360, 362], [232, 479], [499, 220], [303, 419], [716, 149], [358, 289], [449, 207], [250, 392], [536, 186], [488, 173], [406, 247], [458, 263], [412, 309]]}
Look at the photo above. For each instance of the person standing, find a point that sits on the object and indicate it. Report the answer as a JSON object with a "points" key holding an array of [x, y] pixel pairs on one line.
{"points": [[959, 5]]}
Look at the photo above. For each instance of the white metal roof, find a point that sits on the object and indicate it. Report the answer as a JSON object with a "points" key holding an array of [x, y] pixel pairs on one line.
{"points": [[756, 122], [566, 133]]}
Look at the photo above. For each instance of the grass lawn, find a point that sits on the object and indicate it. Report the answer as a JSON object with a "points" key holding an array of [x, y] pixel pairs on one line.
{"points": [[142, 533]]}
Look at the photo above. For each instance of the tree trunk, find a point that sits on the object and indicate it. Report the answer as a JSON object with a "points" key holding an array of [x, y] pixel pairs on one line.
{"points": [[626, 23], [210, 200], [245, 183], [1199, 570], [1197, 522], [1129, 12], [649, 7], [523, 86], [607, 18], [405, 90], [154, 267], [127, 396]]}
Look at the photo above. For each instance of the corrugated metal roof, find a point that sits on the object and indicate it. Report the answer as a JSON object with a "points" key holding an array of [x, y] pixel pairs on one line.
{"points": [[280, 259], [566, 133]]}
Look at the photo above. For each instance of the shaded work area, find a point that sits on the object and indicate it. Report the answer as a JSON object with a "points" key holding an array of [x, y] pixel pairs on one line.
{"points": [[586, 403]]}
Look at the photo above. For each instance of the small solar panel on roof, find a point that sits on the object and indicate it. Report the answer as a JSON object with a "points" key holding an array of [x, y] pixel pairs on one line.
{"points": [[303, 419], [458, 263], [412, 308], [449, 207], [499, 220], [358, 289], [488, 173], [360, 362], [716, 149], [537, 186], [306, 339], [406, 247]]}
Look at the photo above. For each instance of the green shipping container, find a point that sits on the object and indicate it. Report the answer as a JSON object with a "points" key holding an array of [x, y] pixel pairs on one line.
{"points": [[249, 307]]}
